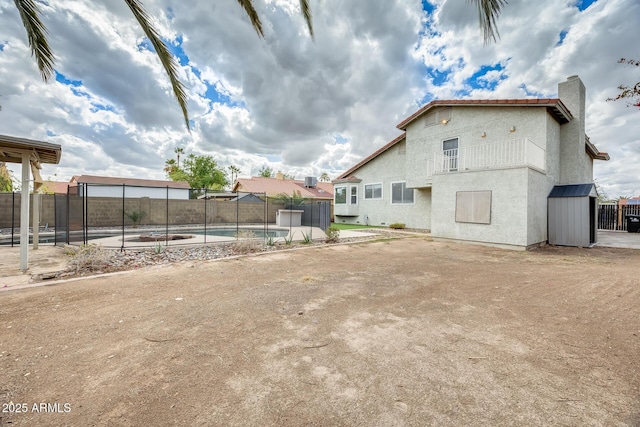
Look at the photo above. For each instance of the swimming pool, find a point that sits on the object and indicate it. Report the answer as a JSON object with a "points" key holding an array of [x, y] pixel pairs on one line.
{"points": [[231, 232]]}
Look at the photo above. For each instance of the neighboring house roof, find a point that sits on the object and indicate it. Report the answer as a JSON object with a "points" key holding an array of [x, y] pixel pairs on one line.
{"points": [[55, 187], [347, 174], [107, 180], [555, 107], [249, 197], [275, 186], [576, 190]]}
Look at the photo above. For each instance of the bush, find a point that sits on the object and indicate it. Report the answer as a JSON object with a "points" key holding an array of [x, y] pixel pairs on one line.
{"points": [[333, 234], [89, 258], [397, 226], [246, 242]]}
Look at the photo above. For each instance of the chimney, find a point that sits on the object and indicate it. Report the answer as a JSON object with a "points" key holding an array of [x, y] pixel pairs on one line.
{"points": [[279, 175], [576, 167], [572, 93]]}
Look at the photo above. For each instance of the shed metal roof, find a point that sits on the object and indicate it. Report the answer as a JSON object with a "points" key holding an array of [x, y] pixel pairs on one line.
{"points": [[574, 190]]}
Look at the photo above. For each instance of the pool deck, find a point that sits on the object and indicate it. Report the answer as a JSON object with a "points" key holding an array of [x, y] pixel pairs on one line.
{"points": [[296, 234]]}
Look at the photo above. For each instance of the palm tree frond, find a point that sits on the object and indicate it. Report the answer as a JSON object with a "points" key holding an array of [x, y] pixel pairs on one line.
{"points": [[166, 58], [37, 35], [488, 11], [306, 12], [247, 5]]}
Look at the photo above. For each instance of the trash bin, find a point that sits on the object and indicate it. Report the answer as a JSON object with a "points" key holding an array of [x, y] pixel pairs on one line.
{"points": [[633, 223]]}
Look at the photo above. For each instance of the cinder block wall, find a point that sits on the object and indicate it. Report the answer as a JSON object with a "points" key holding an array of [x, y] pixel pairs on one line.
{"points": [[108, 211], [7, 201]]}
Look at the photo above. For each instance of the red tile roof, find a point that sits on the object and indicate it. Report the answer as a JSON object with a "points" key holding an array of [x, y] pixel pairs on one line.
{"points": [[275, 186], [556, 108], [373, 155], [55, 187], [108, 180]]}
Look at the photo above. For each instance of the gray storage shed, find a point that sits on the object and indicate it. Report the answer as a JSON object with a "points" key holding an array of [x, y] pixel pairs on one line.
{"points": [[572, 215]]}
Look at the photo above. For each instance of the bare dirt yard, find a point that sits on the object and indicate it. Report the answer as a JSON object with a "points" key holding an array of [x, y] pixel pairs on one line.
{"points": [[392, 333]]}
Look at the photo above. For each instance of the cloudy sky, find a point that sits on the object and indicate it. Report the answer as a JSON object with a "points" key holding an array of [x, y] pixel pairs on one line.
{"points": [[299, 105]]}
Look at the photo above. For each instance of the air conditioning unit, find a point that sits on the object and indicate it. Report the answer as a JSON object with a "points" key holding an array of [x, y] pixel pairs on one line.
{"points": [[310, 181]]}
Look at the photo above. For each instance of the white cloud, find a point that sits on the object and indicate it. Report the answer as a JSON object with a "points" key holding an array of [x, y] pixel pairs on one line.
{"points": [[363, 73]]}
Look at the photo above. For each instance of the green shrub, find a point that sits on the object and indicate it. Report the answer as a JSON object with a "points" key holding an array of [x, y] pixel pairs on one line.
{"points": [[397, 226]]}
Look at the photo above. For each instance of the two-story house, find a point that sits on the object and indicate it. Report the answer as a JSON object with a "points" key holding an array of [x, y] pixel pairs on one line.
{"points": [[474, 170]]}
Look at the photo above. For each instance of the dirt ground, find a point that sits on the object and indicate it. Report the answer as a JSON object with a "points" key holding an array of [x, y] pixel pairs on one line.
{"points": [[403, 332]]}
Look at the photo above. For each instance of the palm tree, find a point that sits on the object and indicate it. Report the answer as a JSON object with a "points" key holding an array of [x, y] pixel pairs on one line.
{"points": [[178, 151], [325, 177], [488, 11], [169, 167], [234, 173]]}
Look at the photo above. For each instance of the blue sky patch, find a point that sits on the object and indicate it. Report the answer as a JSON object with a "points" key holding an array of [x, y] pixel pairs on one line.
{"points": [[339, 139], [96, 106], [61, 78], [563, 35], [2, 46], [51, 133], [584, 4], [428, 7], [438, 77], [479, 80]]}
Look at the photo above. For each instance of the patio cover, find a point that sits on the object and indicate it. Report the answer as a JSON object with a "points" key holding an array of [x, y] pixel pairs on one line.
{"points": [[31, 154]]}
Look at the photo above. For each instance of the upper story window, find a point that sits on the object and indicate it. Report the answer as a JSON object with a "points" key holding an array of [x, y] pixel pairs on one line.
{"points": [[400, 194], [373, 191], [340, 196], [450, 154]]}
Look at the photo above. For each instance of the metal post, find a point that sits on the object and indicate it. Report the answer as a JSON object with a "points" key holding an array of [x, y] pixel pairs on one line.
{"points": [[166, 228], [205, 216], [36, 219], [237, 213], [85, 214], [67, 222], [123, 193], [264, 222], [13, 215], [24, 214]]}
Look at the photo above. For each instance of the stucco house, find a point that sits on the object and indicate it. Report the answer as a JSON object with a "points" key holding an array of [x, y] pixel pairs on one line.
{"points": [[107, 186], [474, 170]]}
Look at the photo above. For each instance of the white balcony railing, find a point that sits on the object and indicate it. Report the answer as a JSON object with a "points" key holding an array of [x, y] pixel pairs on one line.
{"points": [[515, 152]]}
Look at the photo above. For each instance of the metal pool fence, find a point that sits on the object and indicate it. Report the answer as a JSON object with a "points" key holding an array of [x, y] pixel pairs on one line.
{"points": [[123, 213]]}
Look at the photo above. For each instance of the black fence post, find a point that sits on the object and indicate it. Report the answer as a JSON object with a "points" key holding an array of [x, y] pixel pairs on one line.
{"points": [[205, 216], [123, 194], [166, 228], [68, 214], [85, 214]]}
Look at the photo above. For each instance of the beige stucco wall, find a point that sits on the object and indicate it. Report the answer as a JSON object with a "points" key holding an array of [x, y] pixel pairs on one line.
{"points": [[388, 167], [468, 124], [508, 206]]}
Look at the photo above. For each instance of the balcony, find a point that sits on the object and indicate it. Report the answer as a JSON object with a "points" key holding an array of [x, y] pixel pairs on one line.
{"points": [[497, 155]]}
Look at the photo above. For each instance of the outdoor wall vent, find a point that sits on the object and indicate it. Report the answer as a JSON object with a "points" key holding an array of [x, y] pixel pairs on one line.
{"points": [[310, 182]]}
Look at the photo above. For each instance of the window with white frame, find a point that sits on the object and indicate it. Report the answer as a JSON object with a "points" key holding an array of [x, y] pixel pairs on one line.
{"points": [[354, 195], [373, 191], [400, 194], [340, 196]]}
